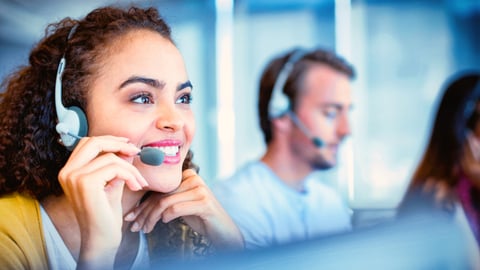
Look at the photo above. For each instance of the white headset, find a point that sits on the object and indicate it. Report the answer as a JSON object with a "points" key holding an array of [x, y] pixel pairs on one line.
{"points": [[72, 122], [279, 102]]}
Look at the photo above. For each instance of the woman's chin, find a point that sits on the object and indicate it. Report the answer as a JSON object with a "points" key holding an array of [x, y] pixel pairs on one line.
{"points": [[164, 184]]}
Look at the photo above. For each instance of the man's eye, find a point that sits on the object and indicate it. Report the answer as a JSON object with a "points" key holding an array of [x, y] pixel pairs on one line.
{"points": [[185, 99], [331, 114], [143, 98]]}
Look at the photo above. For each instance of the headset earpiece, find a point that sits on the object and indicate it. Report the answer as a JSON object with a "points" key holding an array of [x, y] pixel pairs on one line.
{"points": [[72, 127], [72, 122], [279, 103]]}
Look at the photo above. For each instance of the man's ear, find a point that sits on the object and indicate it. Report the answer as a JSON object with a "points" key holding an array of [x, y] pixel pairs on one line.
{"points": [[282, 124]]}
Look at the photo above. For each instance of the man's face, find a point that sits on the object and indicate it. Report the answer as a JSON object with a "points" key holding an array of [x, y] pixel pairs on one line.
{"points": [[323, 106]]}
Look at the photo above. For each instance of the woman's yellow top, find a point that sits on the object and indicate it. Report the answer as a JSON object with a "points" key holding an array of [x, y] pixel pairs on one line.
{"points": [[22, 244]]}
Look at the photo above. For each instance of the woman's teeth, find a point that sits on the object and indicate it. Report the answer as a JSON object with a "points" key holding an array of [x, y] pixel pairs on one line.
{"points": [[169, 150]]}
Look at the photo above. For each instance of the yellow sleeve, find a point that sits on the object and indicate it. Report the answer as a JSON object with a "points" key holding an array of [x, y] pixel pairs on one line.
{"points": [[21, 235], [11, 256]]}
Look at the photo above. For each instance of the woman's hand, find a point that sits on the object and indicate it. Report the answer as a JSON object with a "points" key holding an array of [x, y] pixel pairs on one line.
{"points": [[196, 204], [93, 180], [441, 193]]}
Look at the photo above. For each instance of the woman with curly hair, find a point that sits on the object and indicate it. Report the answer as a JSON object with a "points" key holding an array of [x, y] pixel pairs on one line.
{"points": [[69, 166]]}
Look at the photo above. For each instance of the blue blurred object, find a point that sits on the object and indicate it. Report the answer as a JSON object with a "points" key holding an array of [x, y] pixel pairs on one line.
{"points": [[419, 242]]}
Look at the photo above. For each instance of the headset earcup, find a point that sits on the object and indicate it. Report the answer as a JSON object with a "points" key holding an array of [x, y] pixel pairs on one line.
{"points": [[82, 120], [279, 103], [76, 124]]}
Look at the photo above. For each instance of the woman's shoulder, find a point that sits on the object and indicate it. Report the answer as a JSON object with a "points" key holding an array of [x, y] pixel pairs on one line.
{"points": [[16, 204], [20, 214], [21, 232]]}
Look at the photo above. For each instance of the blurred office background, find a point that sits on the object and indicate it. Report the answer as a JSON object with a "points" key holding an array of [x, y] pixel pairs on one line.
{"points": [[403, 50]]}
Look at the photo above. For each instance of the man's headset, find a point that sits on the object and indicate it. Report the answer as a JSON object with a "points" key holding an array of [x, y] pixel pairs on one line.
{"points": [[279, 104]]}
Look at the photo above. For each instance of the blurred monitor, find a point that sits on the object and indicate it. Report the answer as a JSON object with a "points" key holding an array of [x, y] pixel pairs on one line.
{"points": [[420, 242]]}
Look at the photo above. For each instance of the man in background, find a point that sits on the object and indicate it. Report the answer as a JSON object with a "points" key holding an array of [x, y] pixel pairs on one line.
{"points": [[304, 105]]}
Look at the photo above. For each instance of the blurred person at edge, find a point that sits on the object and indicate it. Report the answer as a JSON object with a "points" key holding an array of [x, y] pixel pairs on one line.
{"points": [[447, 179]]}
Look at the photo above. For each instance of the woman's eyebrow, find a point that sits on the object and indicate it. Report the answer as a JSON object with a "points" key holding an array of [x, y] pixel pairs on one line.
{"points": [[137, 79], [184, 85]]}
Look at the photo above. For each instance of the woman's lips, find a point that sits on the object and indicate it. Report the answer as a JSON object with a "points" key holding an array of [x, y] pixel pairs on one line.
{"points": [[171, 149]]}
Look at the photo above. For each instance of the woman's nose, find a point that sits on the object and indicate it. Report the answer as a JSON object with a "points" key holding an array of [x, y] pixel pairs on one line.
{"points": [[170, 119]]}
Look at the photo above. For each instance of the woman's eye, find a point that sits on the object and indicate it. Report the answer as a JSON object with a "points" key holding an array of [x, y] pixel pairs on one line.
{"points": [[185, 99], [143, 98]]}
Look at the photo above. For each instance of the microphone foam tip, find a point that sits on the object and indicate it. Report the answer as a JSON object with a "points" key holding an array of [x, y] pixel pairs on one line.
{"points": [[151, 156]]}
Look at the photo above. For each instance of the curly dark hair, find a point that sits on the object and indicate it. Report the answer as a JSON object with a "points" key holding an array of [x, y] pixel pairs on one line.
{"points": [[30, 155], [294, 81]]}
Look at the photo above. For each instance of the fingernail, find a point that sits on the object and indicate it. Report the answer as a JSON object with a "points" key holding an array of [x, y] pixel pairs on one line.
{"points": [[135, 227], [144, 182], [123, 139], [130, 217], [137, 187], [134, 146]]}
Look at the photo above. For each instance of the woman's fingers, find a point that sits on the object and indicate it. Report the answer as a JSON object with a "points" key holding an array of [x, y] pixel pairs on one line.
{"points": [[194, 199], [196, 204], [93, 154], [151, 211], [90, 147], [93, 180], [440, 191], [108, 167], [95, 186], [186, 208]]}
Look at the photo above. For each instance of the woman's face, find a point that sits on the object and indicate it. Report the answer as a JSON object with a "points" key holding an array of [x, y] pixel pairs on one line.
{"points": [[142, 92]]}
